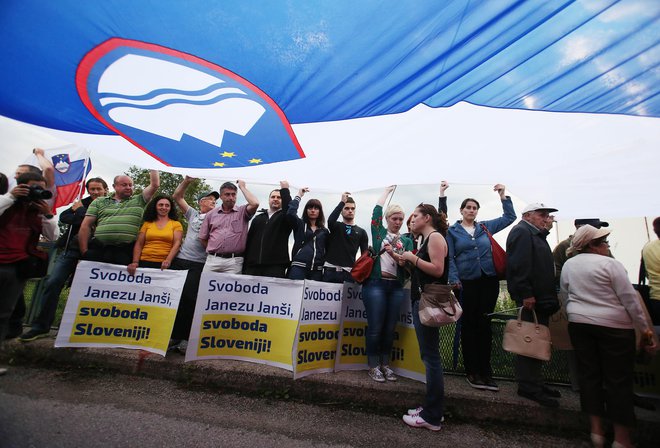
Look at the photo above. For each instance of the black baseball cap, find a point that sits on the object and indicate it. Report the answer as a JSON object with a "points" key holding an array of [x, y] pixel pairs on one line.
{"points": [[597, 223]]}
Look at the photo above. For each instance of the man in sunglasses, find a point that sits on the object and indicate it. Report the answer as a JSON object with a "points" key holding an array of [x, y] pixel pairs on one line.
{"points": [[343, 243]]}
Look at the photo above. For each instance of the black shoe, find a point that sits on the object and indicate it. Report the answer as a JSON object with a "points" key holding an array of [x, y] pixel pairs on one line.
{"points": [[14, 333], [491, 385], [475, 381], [644, 403], [33, 334], [540, 398], [554, 393]]}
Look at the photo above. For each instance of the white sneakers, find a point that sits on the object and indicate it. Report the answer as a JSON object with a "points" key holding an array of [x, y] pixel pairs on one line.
{"points": [[382, 374], [418, 422], [376, 375], [388, 373]]}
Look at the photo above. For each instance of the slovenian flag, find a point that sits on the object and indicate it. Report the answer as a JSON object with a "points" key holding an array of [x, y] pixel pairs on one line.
{"points": [[72, 164]]}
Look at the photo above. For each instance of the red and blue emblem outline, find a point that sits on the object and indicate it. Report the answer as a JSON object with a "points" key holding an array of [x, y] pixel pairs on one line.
{"points": [[93, 64]]}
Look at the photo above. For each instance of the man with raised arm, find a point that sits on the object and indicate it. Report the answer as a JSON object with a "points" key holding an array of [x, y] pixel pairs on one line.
{"points": [[191, 257], [343, 243], [267, 251], [225, 229], [117, 219]]}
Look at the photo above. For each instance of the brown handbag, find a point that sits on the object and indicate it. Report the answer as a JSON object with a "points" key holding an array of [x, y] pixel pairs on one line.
{"points": [[529, 339], [438, 305]]}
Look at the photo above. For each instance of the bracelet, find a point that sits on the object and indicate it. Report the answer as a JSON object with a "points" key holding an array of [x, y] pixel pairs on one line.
{"points": [[416, 261], [135, 262]]}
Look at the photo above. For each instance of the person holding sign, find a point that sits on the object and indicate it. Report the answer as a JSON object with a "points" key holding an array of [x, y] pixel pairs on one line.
{"points": [[382, 293], [429, 266], [115, 221], [309, 236], [225, 229], [267, 250], [343, 243], [471, 268], [160, 237], [191, 258]]}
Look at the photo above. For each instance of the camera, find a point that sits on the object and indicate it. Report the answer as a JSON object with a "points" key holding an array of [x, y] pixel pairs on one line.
{"points": [[36, 193]]}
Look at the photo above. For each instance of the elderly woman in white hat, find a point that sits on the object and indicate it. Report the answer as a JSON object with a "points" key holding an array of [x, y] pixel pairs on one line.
{"points": [[603, 311]]}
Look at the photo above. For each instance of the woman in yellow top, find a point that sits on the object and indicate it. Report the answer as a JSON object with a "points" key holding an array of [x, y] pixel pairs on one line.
{"points": [[160, 237]]}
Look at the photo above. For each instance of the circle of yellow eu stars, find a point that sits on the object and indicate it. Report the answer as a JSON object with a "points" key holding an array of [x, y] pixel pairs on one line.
{"points": [[229, 155]]}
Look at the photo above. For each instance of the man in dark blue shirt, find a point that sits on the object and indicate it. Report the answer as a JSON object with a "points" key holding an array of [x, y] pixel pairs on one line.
{"points": [[344, 241]]}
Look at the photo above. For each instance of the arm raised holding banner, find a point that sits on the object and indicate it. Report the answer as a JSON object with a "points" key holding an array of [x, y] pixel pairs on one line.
{"points": [[154, 184], [253, 202]]}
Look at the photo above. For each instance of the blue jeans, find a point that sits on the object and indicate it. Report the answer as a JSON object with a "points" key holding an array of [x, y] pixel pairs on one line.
{"points": [[429, 348], [332, 275], [300, 273], [382, 302], [65, 265]]}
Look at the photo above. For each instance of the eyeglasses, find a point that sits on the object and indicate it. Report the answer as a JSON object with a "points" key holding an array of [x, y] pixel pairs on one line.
{"points": [[607, 243]]}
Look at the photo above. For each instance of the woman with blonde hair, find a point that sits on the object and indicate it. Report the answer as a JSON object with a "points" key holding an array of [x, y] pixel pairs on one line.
{"points": [[603, 311], [382, 292]]}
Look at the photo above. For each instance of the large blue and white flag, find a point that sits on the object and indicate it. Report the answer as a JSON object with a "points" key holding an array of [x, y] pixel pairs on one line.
{"points": [[344, 95]]}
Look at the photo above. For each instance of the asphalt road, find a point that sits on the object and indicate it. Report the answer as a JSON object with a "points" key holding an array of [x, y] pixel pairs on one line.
{"points": [[55, 408]]}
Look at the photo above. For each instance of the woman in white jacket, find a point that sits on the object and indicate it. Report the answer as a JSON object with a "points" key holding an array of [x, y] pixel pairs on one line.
{"points": [[603, 311]]}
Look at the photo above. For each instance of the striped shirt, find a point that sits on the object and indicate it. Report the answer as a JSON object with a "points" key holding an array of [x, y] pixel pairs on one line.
{"points": [[117, 222]]}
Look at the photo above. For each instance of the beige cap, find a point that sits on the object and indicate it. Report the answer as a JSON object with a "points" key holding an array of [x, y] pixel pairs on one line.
{"points": [[583, 236]]}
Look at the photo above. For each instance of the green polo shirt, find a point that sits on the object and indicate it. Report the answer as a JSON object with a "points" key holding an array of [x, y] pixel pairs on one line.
{"points": [[117, 222]]}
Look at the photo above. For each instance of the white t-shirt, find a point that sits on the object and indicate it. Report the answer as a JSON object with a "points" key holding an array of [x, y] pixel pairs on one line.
{"points": [[192, 249]]}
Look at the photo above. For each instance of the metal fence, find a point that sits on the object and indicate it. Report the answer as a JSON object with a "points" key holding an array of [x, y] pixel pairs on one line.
{"points": [[554, 371]]}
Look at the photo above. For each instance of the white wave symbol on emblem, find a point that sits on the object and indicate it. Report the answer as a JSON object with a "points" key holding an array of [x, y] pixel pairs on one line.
{"points": [[170, 100]]}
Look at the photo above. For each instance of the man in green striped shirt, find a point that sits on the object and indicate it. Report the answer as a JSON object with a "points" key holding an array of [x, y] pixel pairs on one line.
{"points": [[117, 219]]}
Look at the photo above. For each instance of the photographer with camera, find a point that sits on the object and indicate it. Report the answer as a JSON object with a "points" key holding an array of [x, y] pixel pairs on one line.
{"points": [[65, 263], [24, 216]]}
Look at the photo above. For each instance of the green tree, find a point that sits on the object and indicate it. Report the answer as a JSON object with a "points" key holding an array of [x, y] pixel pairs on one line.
{"points": [[168, 183]]}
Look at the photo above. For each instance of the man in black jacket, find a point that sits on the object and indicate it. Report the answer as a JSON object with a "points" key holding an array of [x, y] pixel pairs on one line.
{"points": [[267, 250], [531, 282], [344, 241], [65, 265]]}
